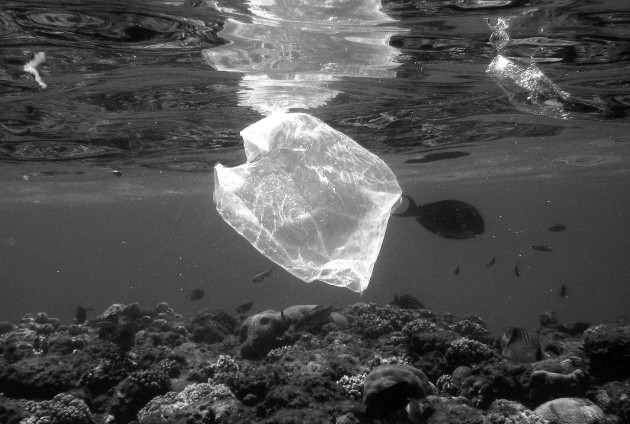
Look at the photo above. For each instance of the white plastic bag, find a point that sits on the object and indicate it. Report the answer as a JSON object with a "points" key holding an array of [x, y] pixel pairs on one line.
{"points": [[309, 198]]}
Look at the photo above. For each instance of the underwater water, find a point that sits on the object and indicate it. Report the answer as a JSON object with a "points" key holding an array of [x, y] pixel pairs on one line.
{"points": [[109, 138]]}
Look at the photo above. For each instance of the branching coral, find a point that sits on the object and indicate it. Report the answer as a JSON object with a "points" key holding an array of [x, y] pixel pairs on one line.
{"points": [[62, 409], [352, 386], [465, 351], [193, 404]]}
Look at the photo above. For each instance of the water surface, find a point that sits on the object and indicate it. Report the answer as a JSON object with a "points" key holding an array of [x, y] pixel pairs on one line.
{"points": [[517, 108]]}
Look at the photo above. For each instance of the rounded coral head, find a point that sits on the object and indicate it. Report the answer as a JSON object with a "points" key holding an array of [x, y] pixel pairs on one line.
{"points": [[390, 387]]}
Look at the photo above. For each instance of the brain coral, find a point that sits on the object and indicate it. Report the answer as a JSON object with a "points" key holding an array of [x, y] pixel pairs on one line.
{"points": [[389, 387], [570, 411]]}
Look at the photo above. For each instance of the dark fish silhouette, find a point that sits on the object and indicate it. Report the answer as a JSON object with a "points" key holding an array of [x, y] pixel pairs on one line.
{"points": [[104, 323], [407, 301], [81, 314], [516, 270], [447, 218], [245, 307], [557, 227], [263, 275], [433, 157], [196, 294], [314, 318], [457, 269], [563, 291], [491, 262], [124, 336], [542, 248], [119, 331], [520, 345]]}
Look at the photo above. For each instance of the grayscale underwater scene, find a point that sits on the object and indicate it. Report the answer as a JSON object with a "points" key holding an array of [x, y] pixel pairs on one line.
{"points": [[314, 211]]}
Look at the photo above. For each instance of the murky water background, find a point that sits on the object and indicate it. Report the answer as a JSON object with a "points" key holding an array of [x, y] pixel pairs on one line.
{"points": [[520, 108]]}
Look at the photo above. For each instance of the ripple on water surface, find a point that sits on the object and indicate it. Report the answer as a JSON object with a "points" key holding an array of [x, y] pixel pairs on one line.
{"points": [[101, 24], [54, 151]]}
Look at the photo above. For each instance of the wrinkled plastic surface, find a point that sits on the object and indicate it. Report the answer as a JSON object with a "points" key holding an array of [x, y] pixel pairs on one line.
{"points": [[309, 198]]}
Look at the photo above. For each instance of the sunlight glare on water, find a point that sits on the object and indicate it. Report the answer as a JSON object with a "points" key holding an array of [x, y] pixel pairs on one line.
{"points": [[290, 51]]}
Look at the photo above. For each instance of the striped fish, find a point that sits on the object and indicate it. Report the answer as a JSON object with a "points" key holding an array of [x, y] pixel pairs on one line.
{"points": [[520, 345]]}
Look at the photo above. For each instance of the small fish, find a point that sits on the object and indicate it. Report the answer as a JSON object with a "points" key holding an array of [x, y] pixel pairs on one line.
{"points": [[457, 269], [563, 291], [542, 248], [491, 262], [116, 172], [517, 271], [245, 307], [263, 275], [407, 301], [196, 294], [557, 228], [103, 323], [520, 345], [81, 314]]}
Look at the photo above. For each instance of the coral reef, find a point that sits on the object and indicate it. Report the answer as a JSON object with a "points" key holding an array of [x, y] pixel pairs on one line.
{"points": [[608, 348], [200, 403], [570, 411], [135, 391], [364, 364], [389, 387], [61, 409], [260, 333], [545, 385]]}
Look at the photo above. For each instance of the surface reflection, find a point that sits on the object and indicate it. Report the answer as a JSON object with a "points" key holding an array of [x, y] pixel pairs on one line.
{"points": [[528, 89], [292, 50]]}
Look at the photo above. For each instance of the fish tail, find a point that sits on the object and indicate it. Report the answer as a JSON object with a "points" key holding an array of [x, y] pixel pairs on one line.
{"points": [[411, 206]]}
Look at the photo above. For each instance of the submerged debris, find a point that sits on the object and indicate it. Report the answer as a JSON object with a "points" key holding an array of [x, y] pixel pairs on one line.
{"points": [[31, 68]]}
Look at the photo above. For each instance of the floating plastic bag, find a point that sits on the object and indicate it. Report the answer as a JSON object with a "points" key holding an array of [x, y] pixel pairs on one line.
{"points": [[309, 198]]}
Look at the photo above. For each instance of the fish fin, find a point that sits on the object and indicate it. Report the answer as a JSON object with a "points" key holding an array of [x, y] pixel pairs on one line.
{"points": [[411, 207]]}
